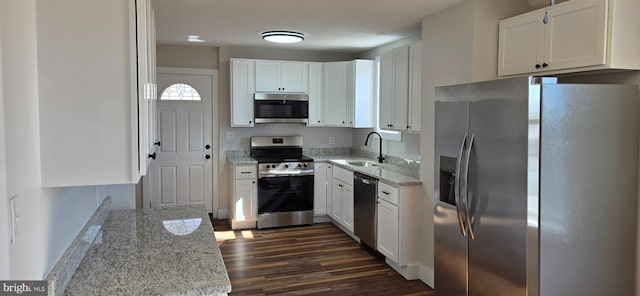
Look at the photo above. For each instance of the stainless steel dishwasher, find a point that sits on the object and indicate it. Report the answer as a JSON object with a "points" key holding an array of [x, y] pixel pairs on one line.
{"points": [[365, 209]]}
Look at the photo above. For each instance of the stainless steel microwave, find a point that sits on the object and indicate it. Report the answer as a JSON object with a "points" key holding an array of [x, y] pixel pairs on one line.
{"points": [[281, 108]]}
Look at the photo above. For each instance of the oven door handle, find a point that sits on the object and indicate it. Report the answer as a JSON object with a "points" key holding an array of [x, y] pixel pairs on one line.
{"points": [[268, 175]]}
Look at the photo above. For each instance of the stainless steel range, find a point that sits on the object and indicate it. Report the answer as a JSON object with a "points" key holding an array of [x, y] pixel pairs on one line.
{"points": [[285, 181]]}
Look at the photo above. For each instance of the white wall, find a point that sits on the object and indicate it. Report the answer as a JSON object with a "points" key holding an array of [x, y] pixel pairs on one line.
{"points": [[185, 56], [447, 48], [459, 45], [628, 77], [4, 214], [313, 136], [409, 146], [49, 218]]}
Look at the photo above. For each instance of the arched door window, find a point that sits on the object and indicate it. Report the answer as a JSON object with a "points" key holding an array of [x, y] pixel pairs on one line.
{"points": [[180, 92]]}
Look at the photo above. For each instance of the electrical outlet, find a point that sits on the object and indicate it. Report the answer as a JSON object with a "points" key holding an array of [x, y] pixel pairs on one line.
{"points": [[229, 135], [332, 140]]}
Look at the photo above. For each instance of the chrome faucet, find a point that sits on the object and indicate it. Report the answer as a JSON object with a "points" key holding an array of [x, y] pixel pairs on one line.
{"points": [[366, 143]]}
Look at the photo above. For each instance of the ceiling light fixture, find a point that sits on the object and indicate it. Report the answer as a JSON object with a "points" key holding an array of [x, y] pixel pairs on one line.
{"points": [[194, 38], [282, 36]]}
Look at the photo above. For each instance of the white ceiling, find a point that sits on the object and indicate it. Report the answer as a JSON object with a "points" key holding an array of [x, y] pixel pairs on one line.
{"points": [[329, 25]]}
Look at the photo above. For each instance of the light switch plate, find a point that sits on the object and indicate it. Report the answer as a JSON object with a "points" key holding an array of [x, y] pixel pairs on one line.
{"points": [[229, 135]]}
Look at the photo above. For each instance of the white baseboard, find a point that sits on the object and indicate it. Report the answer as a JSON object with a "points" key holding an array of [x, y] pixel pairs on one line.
{"points": [[345, 230], [427, 275], [242, 224], [223, 214], [321, 219], [409, 271]]}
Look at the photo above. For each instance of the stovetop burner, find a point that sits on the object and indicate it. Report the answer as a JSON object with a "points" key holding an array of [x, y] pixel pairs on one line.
{"points": [[278, 149]]}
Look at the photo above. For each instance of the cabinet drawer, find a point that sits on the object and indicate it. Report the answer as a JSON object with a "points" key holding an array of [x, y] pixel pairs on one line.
{"points": [[388, 193], [343, 175], [246, 172]]}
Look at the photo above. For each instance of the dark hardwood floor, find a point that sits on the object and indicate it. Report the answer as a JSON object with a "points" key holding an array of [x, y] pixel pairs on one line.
{"points": [[305, 260]]}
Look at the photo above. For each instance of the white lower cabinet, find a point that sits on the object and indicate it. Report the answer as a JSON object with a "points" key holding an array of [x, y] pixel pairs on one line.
{"points": [[388, 215], [329, 189], [398, 231], [244, 192], [347, 207], [342, 197], [337, 200], [320, 189]]}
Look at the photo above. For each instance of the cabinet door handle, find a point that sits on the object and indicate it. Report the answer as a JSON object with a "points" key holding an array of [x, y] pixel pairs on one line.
{"points": [[387, 193], [544, 65], [538, 66], [157, 143], [207, 146], [207, 156], [245, 172], [254, 182], [249, 121], [318, 121], [152, 156]]}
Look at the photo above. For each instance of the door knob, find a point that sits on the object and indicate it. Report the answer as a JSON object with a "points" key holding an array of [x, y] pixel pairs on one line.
{"points": [[152, 156], [207, 156], [207, 146]]}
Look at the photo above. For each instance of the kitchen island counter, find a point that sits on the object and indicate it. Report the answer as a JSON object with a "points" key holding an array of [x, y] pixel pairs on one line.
{"points": [[160, 251]]}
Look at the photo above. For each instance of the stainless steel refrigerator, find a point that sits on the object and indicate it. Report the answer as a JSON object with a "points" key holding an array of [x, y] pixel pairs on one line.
{"points": [[536, 188]]}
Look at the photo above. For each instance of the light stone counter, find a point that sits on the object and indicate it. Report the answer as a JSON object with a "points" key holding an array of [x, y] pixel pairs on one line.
{"points": [[390, 173], [387, 173], [163, 251]]}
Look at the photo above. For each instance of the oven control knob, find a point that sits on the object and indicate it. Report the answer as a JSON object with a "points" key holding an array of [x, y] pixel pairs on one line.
{"points": [[268, 166], [286, 166], [306, 165], [299, 165]]}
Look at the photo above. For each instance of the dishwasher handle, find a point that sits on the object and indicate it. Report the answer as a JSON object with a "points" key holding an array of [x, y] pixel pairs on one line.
{"points": [[360, 178]]}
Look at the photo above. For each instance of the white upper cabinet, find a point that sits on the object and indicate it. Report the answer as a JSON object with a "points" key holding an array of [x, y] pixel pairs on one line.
{"points": [[575, 36], [315, 94], [341, 94], [360, 92], [281, 76], [96, 92], [415, 87], [335, 93], [348, 93], [242, 91], [400, 88]]}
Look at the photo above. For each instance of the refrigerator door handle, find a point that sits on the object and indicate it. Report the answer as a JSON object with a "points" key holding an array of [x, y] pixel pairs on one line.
{"points": [[456, 185], [466, 188]]}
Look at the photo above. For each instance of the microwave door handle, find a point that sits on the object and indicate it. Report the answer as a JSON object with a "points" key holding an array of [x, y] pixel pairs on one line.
{"points": [[456, 185]]}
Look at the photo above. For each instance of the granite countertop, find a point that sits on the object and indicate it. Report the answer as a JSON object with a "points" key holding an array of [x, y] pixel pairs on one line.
{"points": [[387, 173], [158, 251], [240, 160]]}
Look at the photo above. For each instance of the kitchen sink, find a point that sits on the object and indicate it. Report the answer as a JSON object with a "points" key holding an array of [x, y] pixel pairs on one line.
{"points": [[363, 163]]}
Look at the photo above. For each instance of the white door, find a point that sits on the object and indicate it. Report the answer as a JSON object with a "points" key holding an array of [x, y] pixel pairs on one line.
{"points": [[182, 173]]}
